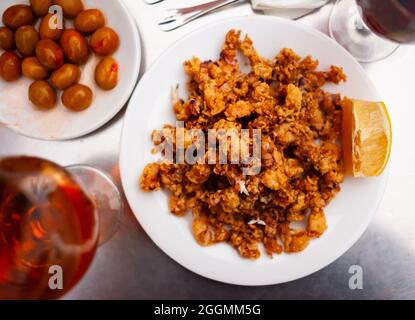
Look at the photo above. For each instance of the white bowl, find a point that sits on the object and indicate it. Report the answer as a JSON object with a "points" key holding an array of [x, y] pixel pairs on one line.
{"points": [[17, 112], [348, 214]]}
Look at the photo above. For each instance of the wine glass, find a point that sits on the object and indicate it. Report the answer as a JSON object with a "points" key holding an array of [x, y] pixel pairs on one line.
{"points": [[52, 220], [372, 30]]}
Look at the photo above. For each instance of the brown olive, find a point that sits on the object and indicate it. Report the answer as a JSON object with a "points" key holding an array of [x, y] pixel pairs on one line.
{"points": [[10, 66], [40, 7], [26, 39], [77, 97], [75, 46], [32, 69], [65, 76], [104, 41], [46, 32], [6, 38], [89, 21], [106, 73], [17, 16], [49, 54], [42, 95], [71, 8]]}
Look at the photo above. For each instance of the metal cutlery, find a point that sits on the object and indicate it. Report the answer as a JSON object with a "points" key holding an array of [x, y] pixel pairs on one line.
{"points": [[152, 1], [175, 18]]}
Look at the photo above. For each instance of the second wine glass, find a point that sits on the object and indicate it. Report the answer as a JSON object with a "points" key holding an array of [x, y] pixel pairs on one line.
{"points": [[372, 30]]}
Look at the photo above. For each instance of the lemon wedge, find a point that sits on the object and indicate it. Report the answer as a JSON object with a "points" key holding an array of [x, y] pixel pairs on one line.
{"points": [[367, 137]]}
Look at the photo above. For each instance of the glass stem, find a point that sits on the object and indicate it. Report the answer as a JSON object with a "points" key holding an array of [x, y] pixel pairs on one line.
{"points": [[106, 196]]}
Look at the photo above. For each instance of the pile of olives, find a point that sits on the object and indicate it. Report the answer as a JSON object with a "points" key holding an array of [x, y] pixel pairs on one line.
{"points": [[52, 56]]}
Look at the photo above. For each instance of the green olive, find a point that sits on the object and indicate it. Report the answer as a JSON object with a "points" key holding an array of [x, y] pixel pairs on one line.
{"points": [[106, 73], [17, 16], [42, 95], [65, 76], [26, 39], [89, 21], [10, 66], [46, 32], [32, 69], [104, 41], [71, 8], [40, 7], [77, 97], [75, 46], [49, 54], [6, 38]]}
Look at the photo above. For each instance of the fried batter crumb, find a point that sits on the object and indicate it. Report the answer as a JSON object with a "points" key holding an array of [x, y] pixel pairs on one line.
{"points": [[149, 180]]}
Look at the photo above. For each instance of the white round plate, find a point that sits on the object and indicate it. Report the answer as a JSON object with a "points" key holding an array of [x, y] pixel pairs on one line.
{"points": [[19, 114], [348, 214]]}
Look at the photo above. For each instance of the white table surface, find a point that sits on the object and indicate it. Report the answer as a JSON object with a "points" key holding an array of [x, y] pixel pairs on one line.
{"points": [[130, 266]]}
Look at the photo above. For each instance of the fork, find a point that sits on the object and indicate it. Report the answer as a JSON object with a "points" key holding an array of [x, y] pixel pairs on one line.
{"points": [[176, 18], [152, 1]]}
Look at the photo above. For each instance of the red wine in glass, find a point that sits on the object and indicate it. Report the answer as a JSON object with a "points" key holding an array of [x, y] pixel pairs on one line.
{"points": [[391, 19]]}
